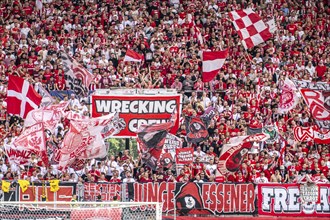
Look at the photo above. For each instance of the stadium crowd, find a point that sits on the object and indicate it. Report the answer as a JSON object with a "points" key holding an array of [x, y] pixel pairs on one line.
{"points": [[245, 92]]}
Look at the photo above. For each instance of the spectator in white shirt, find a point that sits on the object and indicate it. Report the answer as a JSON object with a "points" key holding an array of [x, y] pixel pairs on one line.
{"points": [[199, 152], [3, 167], [211, 167], [310, 69], [261, 178], [129, 178], [73, 102], [198, 179]]}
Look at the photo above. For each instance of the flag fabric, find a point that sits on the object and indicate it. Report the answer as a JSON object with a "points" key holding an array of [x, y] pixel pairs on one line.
{"points": [[196, 129], [5, 186], [47, 99], [185, 155], [168, 155], [17, 156], [212, 63], [54, 185], [313, 133], [318, 102], [288, 98], [133, 56], [49, 115], [21, 96], [233, 153], [198, 33], [24, 184], [249, 26], [77, 77], [272, 25], [33, 139], [253, 130], [151, 139], [114, 127], [83, 140]]}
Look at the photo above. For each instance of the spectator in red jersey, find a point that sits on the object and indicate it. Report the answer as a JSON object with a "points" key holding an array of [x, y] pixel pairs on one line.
{"points": [[115, 178], [197, 167], [239, 178], [95, 173]]}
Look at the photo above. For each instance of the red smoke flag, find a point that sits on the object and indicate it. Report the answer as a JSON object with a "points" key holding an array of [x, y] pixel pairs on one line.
{"points": [[250, 28], [21, 97], [133, 56], [212, 63]]}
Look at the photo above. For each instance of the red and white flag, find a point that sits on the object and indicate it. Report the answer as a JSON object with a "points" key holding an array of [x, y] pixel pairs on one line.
{"points": [[33, 139], [232, 154], [49, 115], [133, 56], [184, 155], [198, 33], [47, 99], [21, 97], [249, 26], [312, 133], [318, 102], [84, 140], [212, 63], [289, 98], [17, 156], [78, 78]]}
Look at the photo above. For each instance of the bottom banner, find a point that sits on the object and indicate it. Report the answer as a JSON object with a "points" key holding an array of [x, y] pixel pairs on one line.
{"points": [[294, 200]]}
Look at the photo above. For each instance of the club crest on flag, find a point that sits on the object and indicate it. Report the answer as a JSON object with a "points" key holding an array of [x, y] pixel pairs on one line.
{"points": [[272, 131]]}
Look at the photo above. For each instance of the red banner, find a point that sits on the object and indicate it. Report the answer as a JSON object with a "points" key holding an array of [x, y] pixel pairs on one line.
{"points": [[106, 190], [43, 193], [294, 200], [137, 110], [201, 199], [184, 155]]}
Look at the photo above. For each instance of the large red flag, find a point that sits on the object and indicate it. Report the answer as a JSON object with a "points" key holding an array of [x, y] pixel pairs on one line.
{"points": [[212, 63], [21, 97]]}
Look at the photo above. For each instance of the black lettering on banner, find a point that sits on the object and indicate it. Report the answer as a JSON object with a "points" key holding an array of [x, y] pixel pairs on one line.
{"points": [[294, 199], [311, 85]]}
